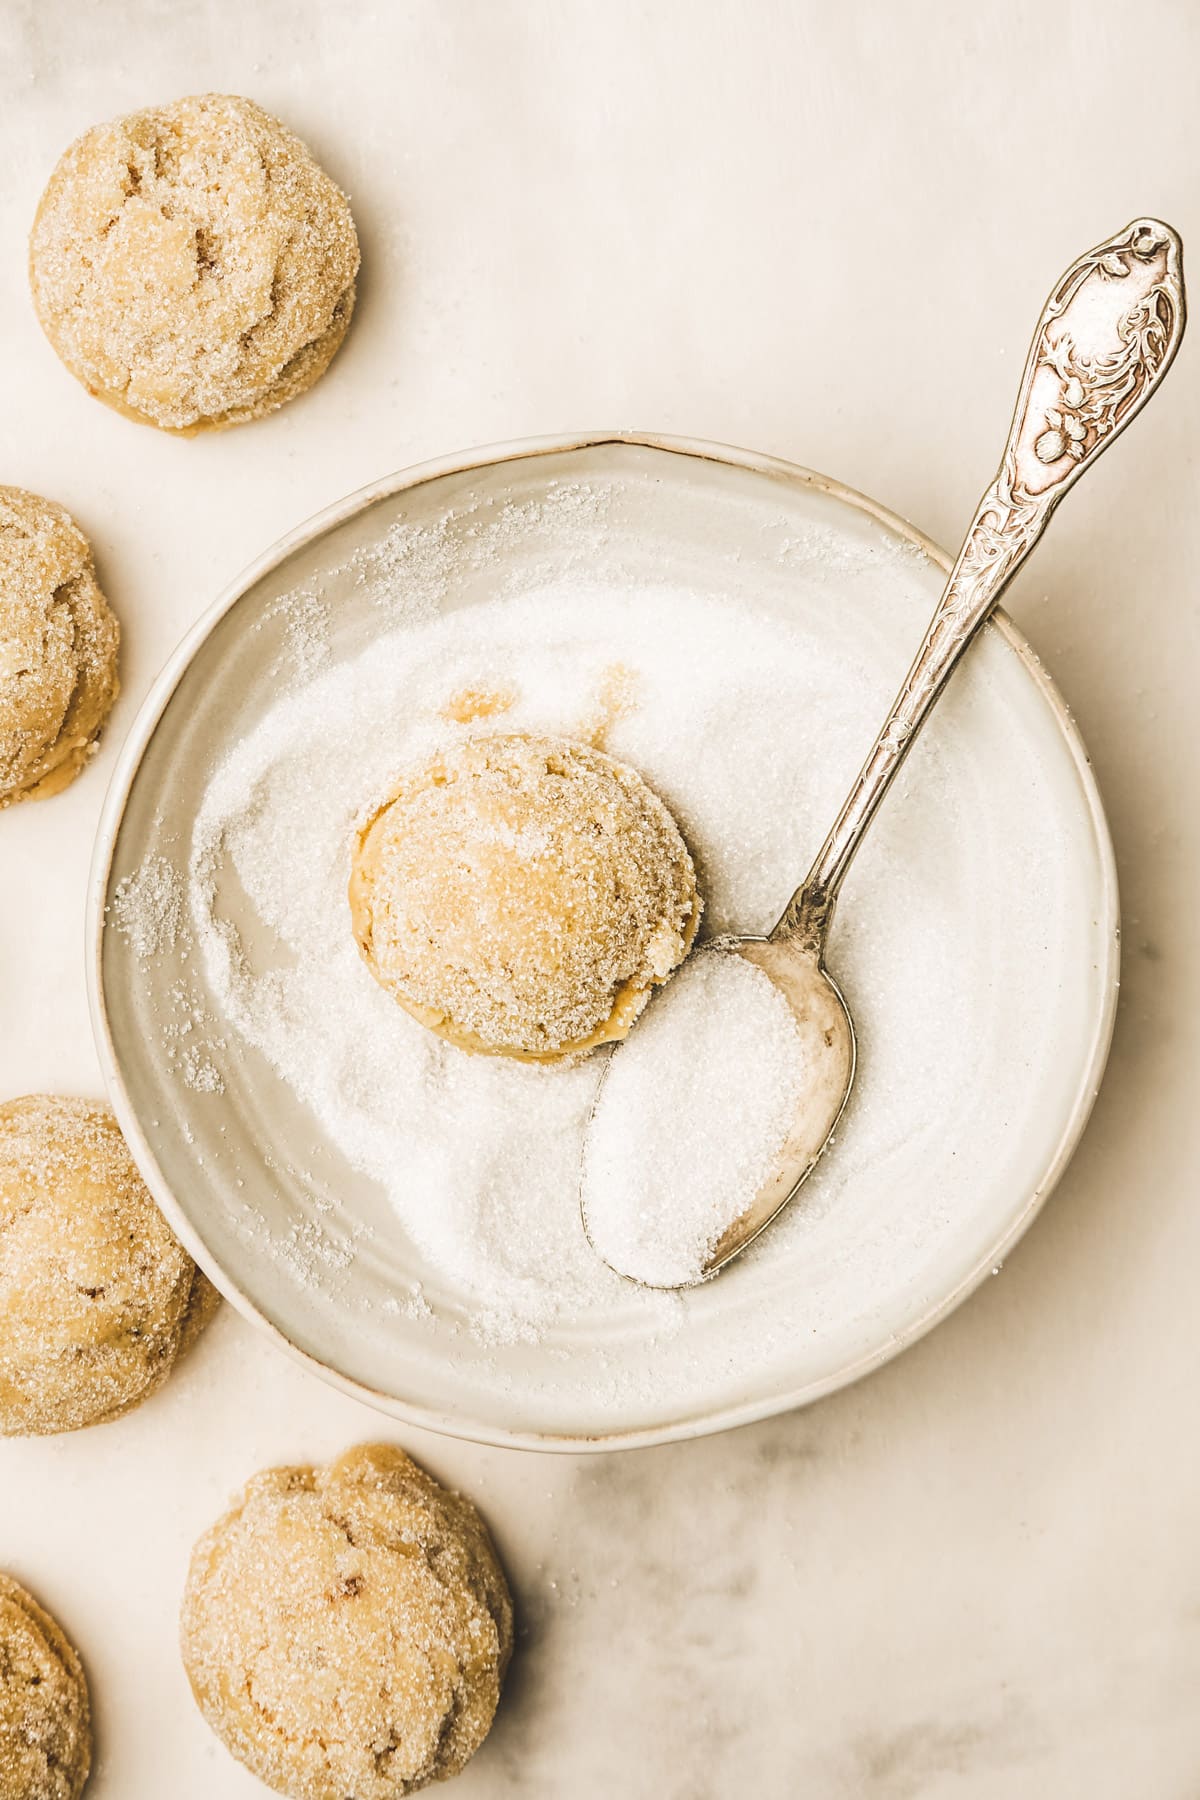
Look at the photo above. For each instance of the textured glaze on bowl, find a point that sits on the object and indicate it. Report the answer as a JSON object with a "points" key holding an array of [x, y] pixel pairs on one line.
{"points": [[215, 1161]]}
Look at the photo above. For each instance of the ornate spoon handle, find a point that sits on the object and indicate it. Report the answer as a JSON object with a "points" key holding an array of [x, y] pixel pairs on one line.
{"points": [[1106, 337]]}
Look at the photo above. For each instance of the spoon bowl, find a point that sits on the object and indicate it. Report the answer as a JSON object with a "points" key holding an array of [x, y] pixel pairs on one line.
{"points": [[831, 1051]]}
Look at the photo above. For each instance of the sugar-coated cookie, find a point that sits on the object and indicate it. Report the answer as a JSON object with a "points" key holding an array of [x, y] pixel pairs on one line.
{"points": [[346, 1628], [97, 1297], [45, 1718], [522, 895], [192, 264], [58, 648]]}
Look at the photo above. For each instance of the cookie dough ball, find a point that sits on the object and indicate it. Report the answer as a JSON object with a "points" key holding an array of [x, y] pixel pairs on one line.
{"points": [[45, 1720], [58, 648], [346, 1629], [97, 1298], [192, 265], [522, 896]]}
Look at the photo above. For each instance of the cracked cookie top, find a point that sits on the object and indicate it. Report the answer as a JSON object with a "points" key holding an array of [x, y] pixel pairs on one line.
{"points": [[192, 264]]}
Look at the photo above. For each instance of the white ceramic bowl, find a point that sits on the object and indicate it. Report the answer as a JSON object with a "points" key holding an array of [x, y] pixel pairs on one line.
{"points": [[774, 1331]]}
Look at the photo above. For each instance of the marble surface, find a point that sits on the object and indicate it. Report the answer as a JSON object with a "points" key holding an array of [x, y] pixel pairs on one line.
{"points": [[824, 232]]}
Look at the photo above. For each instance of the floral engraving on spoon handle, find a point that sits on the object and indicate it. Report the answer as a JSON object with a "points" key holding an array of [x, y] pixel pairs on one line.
{"points": [[1097, 387], [1106, 337], [1004, 530]]}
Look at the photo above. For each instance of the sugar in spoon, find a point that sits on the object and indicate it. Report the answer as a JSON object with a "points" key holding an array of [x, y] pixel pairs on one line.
{"points": [[1106, 337]]}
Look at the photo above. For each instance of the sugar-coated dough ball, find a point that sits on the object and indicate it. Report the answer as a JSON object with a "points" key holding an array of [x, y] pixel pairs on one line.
{"points": [[523, 895], [97, 1296], [45, 1719], [346, 1628], [58, 648], [192, 265]]}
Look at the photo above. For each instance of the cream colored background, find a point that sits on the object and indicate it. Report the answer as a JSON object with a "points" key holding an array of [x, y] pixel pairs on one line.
{"points": [[824, 232]]}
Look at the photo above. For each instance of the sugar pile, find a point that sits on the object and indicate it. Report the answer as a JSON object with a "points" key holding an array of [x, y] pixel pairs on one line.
{"points": [[480, 1158], [691, 1116]]}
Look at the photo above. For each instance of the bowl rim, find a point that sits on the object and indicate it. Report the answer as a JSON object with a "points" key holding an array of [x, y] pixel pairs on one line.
{"points": [[129, 760]]}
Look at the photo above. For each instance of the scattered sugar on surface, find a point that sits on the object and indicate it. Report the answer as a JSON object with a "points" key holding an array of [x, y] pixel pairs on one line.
{"points": [[306, 620], [148, 906], [690, 1119], [315, 1251]]}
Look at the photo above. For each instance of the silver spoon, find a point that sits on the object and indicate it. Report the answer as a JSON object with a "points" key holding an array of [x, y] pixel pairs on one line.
{"points": [[1106, 337]]}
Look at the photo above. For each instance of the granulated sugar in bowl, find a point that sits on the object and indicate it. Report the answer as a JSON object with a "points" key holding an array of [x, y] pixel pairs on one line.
{"points": [[407, 1216]]}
